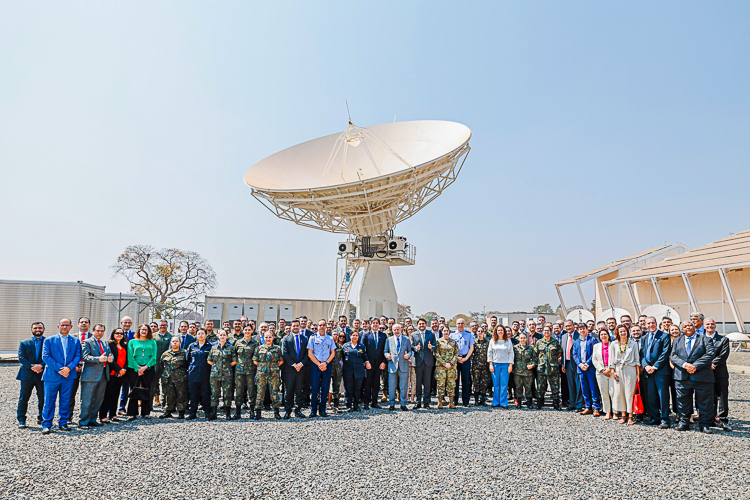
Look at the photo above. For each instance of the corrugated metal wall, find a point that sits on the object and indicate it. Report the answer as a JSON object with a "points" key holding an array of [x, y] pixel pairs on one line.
{"points": [[132, 305], [24, 302]]}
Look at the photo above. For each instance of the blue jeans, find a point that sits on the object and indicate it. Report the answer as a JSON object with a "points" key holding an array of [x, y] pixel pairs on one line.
{"points": [[319, 382], [51, 390], [500, 384], [590, 389]]}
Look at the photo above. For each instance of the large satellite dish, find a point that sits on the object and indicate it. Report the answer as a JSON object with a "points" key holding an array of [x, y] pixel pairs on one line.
{"points": [[661, 311], [580, 316], [613, 312], [363, 182]]}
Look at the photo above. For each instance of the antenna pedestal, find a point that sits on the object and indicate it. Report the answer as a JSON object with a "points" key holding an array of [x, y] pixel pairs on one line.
{"points": [[377, 294]]}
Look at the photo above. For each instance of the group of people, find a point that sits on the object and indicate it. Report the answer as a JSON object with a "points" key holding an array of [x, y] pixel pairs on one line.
{"points": [[599, 369]]}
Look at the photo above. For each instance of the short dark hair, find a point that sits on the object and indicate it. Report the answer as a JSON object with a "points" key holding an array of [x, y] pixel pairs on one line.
{"points": [[98, 325], [295, 321], [37, 323]]}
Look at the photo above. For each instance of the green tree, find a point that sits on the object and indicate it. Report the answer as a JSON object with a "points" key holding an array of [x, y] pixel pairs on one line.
{"points": [[429, 316], [404, 312], [543, 309]]}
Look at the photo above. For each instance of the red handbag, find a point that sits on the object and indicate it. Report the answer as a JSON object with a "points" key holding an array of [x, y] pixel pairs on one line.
{"points": [[637, 400]]}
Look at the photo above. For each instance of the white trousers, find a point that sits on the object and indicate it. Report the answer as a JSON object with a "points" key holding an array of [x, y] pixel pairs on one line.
{"points": [[606, 390], [625, 388]]}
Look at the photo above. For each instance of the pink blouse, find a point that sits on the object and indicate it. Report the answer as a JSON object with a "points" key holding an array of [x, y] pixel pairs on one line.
{"points": [[605, 354]]}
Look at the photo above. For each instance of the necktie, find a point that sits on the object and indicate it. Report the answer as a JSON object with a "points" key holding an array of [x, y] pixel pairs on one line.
{"points": [[297, 337], [648, 347], [398, 344], [101, 349], [570, 346], [64, 342], [689, 342]]}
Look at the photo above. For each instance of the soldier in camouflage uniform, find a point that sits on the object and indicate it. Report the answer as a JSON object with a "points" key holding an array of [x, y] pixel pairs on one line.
{"points": [[337, 370], [480, 369], [173, 366], [236, 332], [211, 337], [523, 361], [547, 352], [244, 372], [267, 359], [446, 354], [222, 359]]}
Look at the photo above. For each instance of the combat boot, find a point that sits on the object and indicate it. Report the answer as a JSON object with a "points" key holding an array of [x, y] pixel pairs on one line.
{"points": [[556, 404], [539, 403], [191, 416], [181, 415], [452, 406], [228, 412], [211, 413], [237, 412], [276, 414], [257, 415], [440, 404]]}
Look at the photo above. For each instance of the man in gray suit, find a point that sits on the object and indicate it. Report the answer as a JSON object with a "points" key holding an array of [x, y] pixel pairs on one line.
{"points": [[97, 361], [397, 352], [423, 342]]}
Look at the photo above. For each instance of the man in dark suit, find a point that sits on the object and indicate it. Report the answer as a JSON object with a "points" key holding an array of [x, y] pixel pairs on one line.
{"points": [[721, 374], [655, 348], [423, 342], [294, 352], [185, 338], [374, 342], [636, 332], [569, 368], [692, 356], [97, 363], [61, 355], [30, 373]]}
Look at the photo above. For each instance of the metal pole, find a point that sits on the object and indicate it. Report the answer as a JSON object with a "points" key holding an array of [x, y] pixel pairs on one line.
{"points": [[80, 283], [119, 309], [657, 290], [636, 306], [580, 294], [609, 297], [562, 302], [732, 302], [690, 292]]}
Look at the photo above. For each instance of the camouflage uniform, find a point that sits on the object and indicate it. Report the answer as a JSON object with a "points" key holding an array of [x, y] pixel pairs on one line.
{"points": [[267, 375], [212, 338], [221, 373], [162, 346], [244, 372], [480, 370], [523, 356], [235, 337], [446, 351], [173, 366], [547, 354], [337, 374]]}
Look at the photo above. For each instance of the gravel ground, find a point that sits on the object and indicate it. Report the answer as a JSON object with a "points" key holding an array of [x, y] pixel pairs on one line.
{"points": [[739, 358], [463, 453]]}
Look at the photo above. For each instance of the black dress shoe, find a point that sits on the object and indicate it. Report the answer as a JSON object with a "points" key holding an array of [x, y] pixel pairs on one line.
{"points": [[131, 418], [705, 429], [664, 425], [404, 408], [723, 426], [95, 424], [84, 428], [287, 415], [46, 430], [65, 428], [39, 419], [391, 408], [299, 414], [313, 414], [22, 425], [375, 406], [682, 427], [324, 414], [427, 406], [419, 405]]}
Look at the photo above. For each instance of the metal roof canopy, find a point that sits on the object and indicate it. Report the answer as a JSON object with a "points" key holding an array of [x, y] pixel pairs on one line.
{"points": [[732, 252], [609, 268]]}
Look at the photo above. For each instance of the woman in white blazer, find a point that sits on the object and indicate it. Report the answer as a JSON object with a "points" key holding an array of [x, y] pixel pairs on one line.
{"points": [[604, 375], [624, 359]]}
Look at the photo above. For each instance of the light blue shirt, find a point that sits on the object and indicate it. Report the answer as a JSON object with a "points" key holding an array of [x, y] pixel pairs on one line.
{"points": [[321, 346], [464, 340], [64, 343]]}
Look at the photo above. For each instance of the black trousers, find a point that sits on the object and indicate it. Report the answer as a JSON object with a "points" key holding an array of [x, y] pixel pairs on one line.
{"points": [[464, 376], [564, 390], [305, 386], [423, 375], [73, 392], [293, 381], [643, 385], [111, 396], [704, 396], [27, 386], [200, 392], [721, 399], [372, 385], [353, 387], [147, 401]]}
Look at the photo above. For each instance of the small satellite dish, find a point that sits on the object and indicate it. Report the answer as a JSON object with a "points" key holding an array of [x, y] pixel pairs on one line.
{"points": [[580, 316], [737, 337], [613, 312], [660, 311]]}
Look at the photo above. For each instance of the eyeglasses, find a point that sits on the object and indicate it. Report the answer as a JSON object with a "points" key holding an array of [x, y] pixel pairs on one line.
{"points": [[119, 333]]}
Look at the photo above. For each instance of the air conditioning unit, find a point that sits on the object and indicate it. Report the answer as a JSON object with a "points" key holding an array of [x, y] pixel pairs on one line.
{"points": [[346, 247], [397, 244]]}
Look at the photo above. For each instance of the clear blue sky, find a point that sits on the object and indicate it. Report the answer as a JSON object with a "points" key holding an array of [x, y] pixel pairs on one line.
{"points": [[600, 130]]}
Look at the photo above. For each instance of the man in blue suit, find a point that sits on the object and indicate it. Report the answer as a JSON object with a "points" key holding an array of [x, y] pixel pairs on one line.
{"points": [[655, 349], [583, 350], [61, 355], [30, 373]]}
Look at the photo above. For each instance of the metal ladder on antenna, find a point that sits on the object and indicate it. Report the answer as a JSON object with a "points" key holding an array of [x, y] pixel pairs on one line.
{"points": [[345, 286]]}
